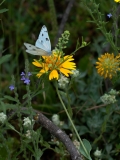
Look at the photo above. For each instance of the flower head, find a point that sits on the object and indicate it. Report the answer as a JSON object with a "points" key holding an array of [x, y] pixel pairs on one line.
{"points": [[113, 92], [29, 73], [11, 87], [29, 134], [108, 65], [97, 153], [55, 119], [3, 117], [118, 1], [27, 81], [27, 121], [22, 74], [63, 81], [25, 77], [55, 64], [76, 143], [108, 99], [22, 78], [109, 15], [76, 73]]}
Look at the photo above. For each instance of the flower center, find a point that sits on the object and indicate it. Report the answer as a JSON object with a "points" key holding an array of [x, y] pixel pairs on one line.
{"points": [[110, 64], [52, 62]]}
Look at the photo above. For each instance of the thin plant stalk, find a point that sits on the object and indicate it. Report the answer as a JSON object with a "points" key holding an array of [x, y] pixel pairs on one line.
{"points": [[70, 119]]}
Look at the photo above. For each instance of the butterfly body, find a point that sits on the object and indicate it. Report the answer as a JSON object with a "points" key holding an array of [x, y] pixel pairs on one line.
{"points": [[42, 45]]}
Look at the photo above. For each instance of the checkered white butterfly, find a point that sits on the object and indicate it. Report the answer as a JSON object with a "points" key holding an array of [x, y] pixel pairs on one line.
{"points": [[42, 45]]}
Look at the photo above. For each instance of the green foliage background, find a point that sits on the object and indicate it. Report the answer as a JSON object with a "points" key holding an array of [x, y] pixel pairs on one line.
{"points": [[22, 23]]}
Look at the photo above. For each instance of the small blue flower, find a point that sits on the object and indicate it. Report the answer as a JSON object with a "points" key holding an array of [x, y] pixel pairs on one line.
{"points": [[22, 78], [11, 87], [29, 73], [25, 77], [27, 81], [22, 74], [109, 15]]}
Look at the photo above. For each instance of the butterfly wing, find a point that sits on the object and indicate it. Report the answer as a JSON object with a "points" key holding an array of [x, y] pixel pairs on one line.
{"points": [[34, 50], [43, 40]]}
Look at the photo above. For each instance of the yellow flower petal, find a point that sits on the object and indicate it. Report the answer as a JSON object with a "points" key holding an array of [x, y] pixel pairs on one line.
{"points": [[68, 57], [36, 63], [65, 71], [108, 65], [54, 64], [42, 71], [117, 1], [53, 74], [69, 65]]}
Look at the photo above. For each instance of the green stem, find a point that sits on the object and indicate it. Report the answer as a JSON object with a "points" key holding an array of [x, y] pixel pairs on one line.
{"points": [[70, 119], [97, 19], [68, 106]]}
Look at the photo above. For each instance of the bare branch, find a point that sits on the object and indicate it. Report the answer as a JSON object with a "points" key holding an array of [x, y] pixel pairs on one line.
{"points": [[64, 20], [54, 130]]}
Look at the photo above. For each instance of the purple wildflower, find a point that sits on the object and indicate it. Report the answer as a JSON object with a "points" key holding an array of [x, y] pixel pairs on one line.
{"points": [[29, 73], [25, 77], [11, 87], [22, 78], [22, 74], [109, 15], [27, 81]]}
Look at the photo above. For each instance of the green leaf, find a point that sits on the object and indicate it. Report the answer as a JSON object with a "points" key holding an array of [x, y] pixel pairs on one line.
{"points": [[88, 147], [5, 58], [10, 98], [5, 106], [2, 2], [13, 128], [38, 92], [3, 10], [57, 150], [25, 96], [46, 144]]}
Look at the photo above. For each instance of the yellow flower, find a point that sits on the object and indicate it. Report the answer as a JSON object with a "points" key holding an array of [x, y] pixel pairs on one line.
{"points": [[54, 64], [108, 65], [117, 1]]}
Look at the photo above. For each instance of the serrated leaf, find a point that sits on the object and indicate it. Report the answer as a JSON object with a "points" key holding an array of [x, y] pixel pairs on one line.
{"points": [[38, 153], [13, 128], [10, 98], [3, 10], [57, 150], [35, 94], [5, 58], [88, 147], [46, 144], [30, 148], [25, 96], [3, 107], [28, 112], [9, 106]]}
